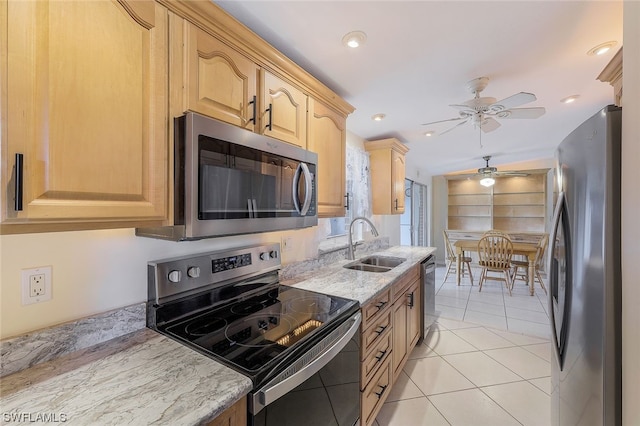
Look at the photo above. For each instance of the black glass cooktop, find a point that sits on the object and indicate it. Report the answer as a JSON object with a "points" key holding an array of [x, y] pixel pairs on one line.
{"points": [[254, 334]]}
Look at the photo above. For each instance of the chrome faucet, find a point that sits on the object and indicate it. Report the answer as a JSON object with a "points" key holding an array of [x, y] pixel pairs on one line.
{"points": [[352, 247]]}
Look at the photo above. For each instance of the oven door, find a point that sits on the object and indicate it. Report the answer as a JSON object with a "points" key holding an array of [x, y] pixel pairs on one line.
{"points": [[322, 388]]}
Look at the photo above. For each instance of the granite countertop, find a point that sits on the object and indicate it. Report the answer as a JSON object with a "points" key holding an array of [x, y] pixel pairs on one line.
{"points": [[146, 378], [139, 378], [359, 285]]}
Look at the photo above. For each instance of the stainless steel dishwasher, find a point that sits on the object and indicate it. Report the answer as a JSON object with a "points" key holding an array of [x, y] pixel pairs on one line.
{"points": [[428, 278]]}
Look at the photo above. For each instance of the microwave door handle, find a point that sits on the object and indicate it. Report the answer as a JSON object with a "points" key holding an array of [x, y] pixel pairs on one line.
{"points": [[307, 189], [294, 188], [255, 207]]}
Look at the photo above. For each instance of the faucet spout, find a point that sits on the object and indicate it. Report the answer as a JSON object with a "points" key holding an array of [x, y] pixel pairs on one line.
{"points": [[351, 250]]}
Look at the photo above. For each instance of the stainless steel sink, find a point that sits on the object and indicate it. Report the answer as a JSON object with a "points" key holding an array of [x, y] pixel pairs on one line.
{"points": [[375, 263], [369, 268], [386, 261]]}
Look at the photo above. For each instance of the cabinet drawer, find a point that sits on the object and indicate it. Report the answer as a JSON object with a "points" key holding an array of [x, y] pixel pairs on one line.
{"points": [[375, 333], [376, 357], [400, 287], [372, 310], [376, 393]]}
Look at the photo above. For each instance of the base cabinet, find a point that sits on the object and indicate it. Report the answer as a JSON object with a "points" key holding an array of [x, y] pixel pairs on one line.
{"points": [[390, 330], [236, 415], [406, 318]]}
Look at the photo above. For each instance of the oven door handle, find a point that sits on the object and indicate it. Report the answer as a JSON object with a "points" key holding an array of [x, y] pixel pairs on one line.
{"points": [[277, 388]]}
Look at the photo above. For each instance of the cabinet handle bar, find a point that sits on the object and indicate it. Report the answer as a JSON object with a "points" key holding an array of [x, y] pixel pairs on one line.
{"points": [[19, 182]]}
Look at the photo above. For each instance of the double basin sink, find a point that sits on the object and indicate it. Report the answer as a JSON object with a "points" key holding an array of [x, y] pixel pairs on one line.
{"points": [[375, 263]]}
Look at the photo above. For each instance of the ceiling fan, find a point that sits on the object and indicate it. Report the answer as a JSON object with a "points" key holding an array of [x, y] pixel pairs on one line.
{"points": [[487, 173], [483, 111]]}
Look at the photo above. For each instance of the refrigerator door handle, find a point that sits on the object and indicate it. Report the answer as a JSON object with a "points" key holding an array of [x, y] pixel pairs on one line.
{"points": [[559, 329]]}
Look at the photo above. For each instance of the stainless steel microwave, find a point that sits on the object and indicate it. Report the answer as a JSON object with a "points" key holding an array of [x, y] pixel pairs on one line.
{"points": [[230, 181]]}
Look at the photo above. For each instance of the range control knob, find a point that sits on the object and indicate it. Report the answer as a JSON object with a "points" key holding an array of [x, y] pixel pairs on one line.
{"points": [[175, 276], [193, 272]]}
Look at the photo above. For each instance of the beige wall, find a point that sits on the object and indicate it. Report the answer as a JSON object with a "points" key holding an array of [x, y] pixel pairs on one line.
{"points": [[97, 271], [631, 215]]}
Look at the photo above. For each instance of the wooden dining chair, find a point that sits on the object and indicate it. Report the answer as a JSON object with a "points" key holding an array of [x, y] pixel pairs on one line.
{"points": [[452, 259], [494, 253], [524, 264]]}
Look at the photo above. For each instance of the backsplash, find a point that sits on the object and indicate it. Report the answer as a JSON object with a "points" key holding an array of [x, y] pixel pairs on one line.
{"points": [[297, 269], [21, 352]]}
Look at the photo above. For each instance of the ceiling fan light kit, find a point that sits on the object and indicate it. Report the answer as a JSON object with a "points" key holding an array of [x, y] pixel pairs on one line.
{"points": [[488, 181], [482, 112]]}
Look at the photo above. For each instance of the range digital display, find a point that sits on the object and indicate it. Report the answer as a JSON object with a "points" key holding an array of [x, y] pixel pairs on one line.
{"points": [[231, 262]]}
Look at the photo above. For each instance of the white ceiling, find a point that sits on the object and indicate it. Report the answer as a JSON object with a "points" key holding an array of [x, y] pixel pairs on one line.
{"points": [[419, 55]]}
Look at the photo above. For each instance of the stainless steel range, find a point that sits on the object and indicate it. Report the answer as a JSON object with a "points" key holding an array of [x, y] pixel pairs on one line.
{"points": [[300, 348]]}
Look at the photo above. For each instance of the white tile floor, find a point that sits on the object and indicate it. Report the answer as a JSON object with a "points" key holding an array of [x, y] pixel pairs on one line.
{"points": [[485, 362]]}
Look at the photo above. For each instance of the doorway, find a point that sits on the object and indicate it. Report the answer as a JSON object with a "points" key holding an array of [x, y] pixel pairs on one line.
{"points": [[414, 229]]}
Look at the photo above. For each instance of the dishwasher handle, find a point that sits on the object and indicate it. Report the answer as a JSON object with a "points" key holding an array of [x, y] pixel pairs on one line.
{"points": [[429, 265]]}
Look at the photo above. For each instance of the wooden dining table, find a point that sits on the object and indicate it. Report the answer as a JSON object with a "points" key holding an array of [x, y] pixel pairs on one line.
{"points": [[522, 248]]}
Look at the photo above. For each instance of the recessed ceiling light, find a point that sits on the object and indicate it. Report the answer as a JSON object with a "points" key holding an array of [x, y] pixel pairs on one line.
{"points": [[569, 99], [378, 117], [429, 133], [601, 49], [354, 39]]}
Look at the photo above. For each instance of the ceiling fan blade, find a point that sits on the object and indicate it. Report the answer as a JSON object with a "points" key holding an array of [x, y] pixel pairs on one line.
{"points": [[462, 107], [512, 101], [444, 121], [511, 174], [522, 113], [489, 124], [457, 125]]}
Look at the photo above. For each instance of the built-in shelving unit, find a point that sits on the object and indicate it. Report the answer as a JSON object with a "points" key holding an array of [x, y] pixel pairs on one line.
{"points": [[514, 203]]}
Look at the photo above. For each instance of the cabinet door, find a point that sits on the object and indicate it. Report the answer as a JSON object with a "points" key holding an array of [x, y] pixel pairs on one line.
{"points": [[413, 315], [236, 415], [399, 330], [397, 177], [86, 105], [284, 111], [327, 138], [221, 83]]}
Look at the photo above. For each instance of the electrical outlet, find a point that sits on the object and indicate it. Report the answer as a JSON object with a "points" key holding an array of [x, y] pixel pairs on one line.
{"points": [[287, 244], [36, 285]]}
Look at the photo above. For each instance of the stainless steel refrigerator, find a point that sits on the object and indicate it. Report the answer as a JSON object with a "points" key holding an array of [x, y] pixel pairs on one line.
{"points": [[585, 276]]}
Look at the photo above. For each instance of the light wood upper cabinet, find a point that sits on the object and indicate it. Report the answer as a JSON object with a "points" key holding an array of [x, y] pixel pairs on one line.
{"points": [[220, 82], [86, 104], [284, 110], [387, 158], [327, 138]]}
